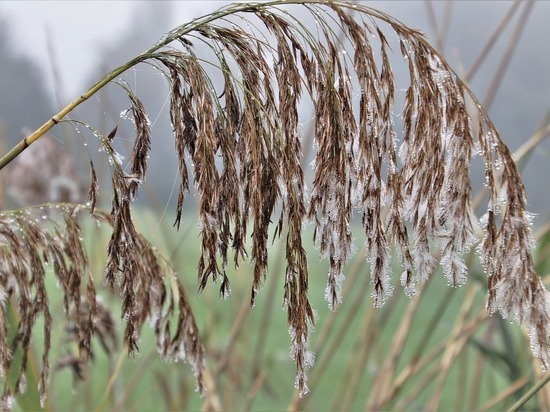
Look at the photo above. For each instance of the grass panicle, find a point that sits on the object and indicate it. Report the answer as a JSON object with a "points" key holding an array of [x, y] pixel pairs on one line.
{"points": [[239, 141]]}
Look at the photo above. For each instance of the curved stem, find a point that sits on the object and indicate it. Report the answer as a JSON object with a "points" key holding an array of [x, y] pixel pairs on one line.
{"points": [[27, 141], [176, 33]]}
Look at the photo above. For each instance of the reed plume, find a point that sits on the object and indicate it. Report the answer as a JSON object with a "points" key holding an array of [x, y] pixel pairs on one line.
{"points": [[240, 145]]}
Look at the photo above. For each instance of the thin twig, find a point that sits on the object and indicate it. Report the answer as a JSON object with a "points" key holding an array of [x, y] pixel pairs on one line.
{"points": [[453, 348], [507, 56], [357, 364], [383, 382], [484, 53]]}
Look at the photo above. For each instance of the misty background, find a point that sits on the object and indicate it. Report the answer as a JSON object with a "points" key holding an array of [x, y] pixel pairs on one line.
{"points": [[51, 52]]}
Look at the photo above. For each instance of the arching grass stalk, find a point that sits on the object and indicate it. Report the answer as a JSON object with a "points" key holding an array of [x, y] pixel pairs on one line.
{"points": [[114, 74], [240, 145]]}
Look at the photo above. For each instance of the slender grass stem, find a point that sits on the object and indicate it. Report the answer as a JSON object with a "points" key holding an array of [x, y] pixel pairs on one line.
{"points": [[429, 330], [386, 375], [236, 329], [453, 349], [130, 387], [414, 367], [478, 374], [491, 42], [357, 365], [530, 393], [324, 344], [254, 388], [267, 315], [510, 49], [114, 376], [421, 385], [509, 391]]}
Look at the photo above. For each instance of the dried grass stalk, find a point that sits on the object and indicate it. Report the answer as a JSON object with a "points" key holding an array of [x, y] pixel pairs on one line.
{"points": [[28, 251], [149, 286], [412, 193]]}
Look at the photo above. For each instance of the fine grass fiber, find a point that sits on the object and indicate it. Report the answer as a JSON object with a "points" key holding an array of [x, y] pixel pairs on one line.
{"points": [[400, 185]]}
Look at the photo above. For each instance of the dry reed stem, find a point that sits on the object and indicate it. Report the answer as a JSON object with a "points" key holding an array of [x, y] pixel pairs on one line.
{"points": [[432, 324], [405, 403], [532, 143], [267, 314], [508, 391], [386, 373], [478, 374], [453, 348], [366, 340], [441, 31], [130, 387], [212, 401], [325, 333], [468, 329], [112, 380], [324, 346], [507, 56], [530, 393], [236, 329], [254, 389], [484, 53], [543, 394]]}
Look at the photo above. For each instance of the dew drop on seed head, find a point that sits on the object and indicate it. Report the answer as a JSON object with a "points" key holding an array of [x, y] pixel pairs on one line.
{"points": [[8, 402]]}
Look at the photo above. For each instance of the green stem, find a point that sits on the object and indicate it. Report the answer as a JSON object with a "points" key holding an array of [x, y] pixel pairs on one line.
{"points": [[27, 141], [532, 392], [178, 32]]}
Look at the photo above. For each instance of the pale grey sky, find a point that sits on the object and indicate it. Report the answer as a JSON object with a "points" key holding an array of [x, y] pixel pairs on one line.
{"points": [[78, 30]]}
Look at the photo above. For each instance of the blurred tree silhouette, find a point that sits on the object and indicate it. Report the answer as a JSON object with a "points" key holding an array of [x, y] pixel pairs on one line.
{"points": [[24, 102]]}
